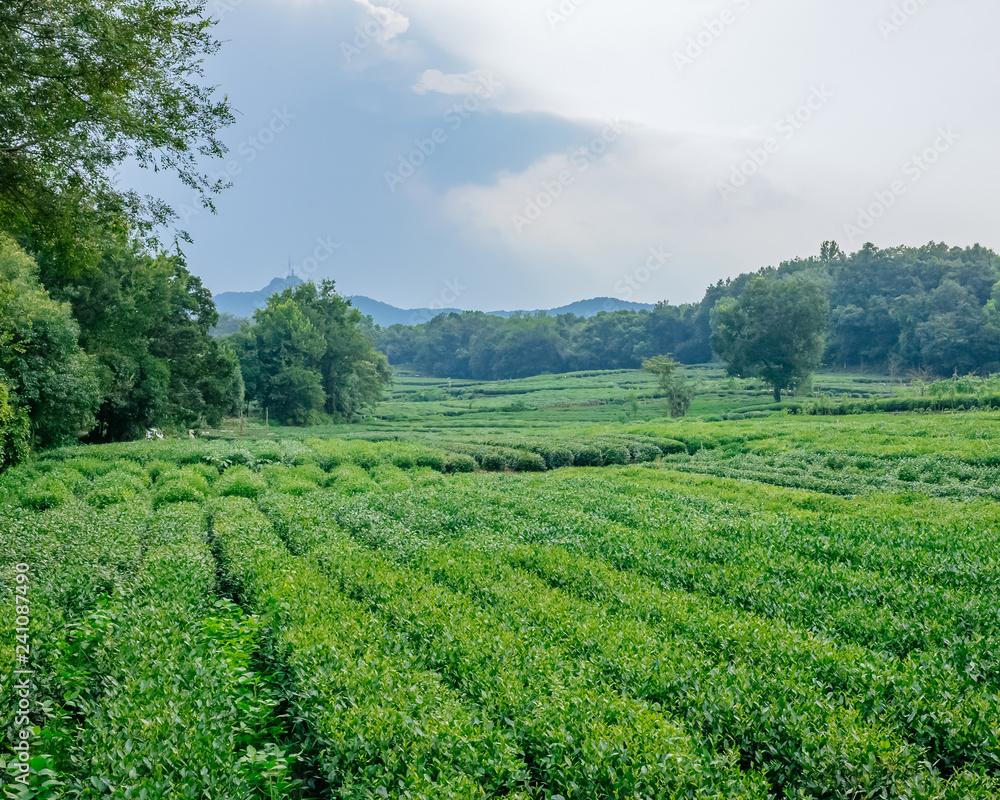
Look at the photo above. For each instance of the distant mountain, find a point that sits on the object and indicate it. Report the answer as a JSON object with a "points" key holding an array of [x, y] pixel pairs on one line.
{"points": [[243, 304], [386, 315], [591, 308]]}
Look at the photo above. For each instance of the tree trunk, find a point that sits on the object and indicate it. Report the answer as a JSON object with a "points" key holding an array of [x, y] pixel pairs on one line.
{"points": [[777, 394]]}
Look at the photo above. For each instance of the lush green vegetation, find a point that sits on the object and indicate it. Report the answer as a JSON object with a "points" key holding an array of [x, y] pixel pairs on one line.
{"points": [[308, 354], [549, 588], [560, 591], [100, 333], [931, 309], [103, 335], [774, 331]]}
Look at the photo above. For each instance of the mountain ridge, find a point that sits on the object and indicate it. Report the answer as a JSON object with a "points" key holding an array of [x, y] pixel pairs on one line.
{"points": [[243, 304]]}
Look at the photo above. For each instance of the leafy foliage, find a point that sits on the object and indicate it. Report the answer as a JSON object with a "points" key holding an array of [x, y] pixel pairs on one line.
{"points": [[773, 332], [87, 86], [930, 308], [14, 430], [361, 617], [308, 354], [671, 382], [41, 361]]}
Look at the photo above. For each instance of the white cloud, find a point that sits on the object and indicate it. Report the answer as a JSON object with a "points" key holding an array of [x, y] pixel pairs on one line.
{"points": [[390, 23], [590, 226], [693, 126], [478, 82]]}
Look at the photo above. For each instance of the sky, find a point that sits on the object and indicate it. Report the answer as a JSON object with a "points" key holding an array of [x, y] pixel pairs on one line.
{"points": [[490, 154]]}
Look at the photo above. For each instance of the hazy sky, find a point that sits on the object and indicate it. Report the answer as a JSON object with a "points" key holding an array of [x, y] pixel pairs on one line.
{"points": [[528, 153]]}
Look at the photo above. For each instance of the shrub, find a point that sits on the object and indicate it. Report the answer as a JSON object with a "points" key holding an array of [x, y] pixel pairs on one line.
{"points": [[403, 459], [185, 485], [176, 491], [671, 446], [350, 479], [588, 456], [309, 472], [46, 493], [187, 475], [294, 480], [130, 467], [494, 461], [329, 453], [115, 487], [435, 459], [426, 476], [91, 467], [390, 478], [644, 453], [157, 468], [241, 482], [73, 480], [616, 454], [909, 473], [460, 462], [560, 457], [835, 461], [207, 471], [526, 461]]}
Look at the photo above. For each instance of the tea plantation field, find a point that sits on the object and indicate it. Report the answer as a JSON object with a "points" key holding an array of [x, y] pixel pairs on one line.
{"points": [[557, 593]]}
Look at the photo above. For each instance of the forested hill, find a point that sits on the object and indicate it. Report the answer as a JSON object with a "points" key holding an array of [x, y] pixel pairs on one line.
{"points": [[930, 309], [237, 307]]}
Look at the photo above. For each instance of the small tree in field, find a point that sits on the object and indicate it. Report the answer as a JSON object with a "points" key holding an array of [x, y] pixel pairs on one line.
{"points": [[679, 394], [775, 331]]}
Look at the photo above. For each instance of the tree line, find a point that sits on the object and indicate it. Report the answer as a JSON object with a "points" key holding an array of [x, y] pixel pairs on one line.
{"points": [[931, 310], [103, 333]]}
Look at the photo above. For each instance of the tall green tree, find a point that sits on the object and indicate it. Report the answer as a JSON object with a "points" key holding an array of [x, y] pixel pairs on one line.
{"points": [[15, 430], [288, 348], [147, 322], [310, 353], [86, 86], [41, 360], [671, 382], [354, 372], [775, 331]]}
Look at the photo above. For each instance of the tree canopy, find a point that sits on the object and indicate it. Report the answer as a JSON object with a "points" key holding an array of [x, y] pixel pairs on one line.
{"points": [[86, 85], [42, 364], [100, 333], [671, 382], [774, 331], [308, 354], [930, 309]]}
